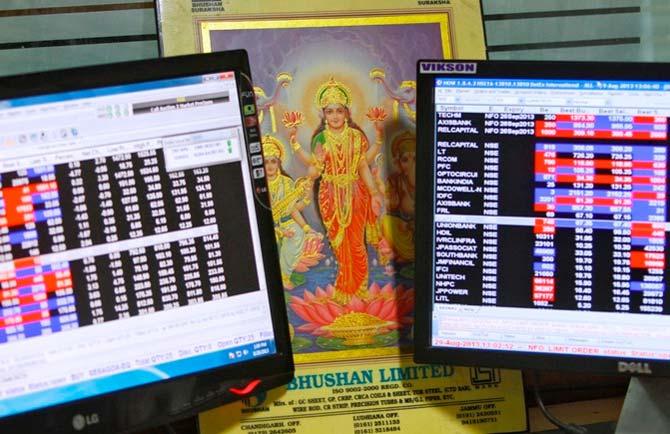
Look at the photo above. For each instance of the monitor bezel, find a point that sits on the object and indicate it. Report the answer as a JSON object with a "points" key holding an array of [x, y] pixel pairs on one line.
{"points": [[424, 351], [183, 396]]}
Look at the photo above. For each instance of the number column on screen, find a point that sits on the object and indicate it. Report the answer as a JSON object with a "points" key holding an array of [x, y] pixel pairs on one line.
{"points": [[81, 236], [150, 188], [620, 168], [212, 259], [188, 274], [544, 246], [105, 202], [647, 247], [581, 204], [167, 279]]}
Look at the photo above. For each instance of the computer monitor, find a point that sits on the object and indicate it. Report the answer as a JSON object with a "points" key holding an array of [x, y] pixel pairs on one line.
{"points": [[139, 277], [542, 215]]}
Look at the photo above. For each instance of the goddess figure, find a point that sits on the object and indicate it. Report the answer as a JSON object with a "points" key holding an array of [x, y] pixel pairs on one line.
{"points": [[349, 202], [288, 198], [398, 222]]}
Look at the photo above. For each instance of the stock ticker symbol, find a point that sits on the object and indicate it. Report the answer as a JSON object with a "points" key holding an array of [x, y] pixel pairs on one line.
{"points": [[485, 377]]}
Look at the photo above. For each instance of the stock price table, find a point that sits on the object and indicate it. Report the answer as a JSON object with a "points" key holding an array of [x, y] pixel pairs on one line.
{"points": [[577, 202], [112, 237]]}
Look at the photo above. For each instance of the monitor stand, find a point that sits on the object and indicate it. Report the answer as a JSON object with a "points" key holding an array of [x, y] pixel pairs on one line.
{"points": [[646, 408]]}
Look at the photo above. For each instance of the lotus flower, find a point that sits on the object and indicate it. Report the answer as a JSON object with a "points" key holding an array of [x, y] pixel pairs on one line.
{"points": [[376, 114], [385, 308], [292, 119], [311, 252]]}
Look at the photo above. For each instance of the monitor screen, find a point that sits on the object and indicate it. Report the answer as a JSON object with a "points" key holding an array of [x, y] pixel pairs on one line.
{"points": [[134, 242], [544, 211]]}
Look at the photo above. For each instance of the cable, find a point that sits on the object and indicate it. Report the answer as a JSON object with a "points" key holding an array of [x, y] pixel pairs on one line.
{"points": [[567, 427], [169, 429]]}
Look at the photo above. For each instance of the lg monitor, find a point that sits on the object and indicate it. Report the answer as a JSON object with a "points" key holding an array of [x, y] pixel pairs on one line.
{"points": [[542, 215], [139, 280]]}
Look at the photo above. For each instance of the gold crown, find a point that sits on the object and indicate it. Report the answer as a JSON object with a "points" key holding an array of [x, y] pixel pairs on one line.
{"points": [[333, 92], [273, 147], [404, 142]]}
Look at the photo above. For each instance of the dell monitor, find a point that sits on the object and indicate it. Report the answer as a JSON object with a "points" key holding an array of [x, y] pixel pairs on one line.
{"points": [[139, 280], [542, 215]]}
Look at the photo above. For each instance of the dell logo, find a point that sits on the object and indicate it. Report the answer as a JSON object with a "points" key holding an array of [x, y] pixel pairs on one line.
{"points": [[79, 422], [634, 367]]}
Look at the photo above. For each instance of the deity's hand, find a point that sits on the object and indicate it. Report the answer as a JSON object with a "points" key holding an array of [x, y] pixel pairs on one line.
{"points": [[377, 115], [289, 233], [292, 121], [312, 173], [379, 128], [309, 185], [385, 250], [319, 153], [292, 134], [377, 203]]}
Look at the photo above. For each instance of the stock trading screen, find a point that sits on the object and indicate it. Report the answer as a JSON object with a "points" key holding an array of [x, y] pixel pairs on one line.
{"points": [[540, 203], [130, 247], [111, 237]]}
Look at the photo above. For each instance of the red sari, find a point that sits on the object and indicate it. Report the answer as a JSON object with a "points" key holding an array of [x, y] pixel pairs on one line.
{"points": [[346, 209]]}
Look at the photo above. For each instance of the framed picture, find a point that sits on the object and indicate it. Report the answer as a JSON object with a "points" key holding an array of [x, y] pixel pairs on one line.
{"points": [[346, 238], [335, 85]]}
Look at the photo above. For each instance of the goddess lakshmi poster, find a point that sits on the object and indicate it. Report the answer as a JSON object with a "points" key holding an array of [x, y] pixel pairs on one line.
{"points": [[336, 102]]}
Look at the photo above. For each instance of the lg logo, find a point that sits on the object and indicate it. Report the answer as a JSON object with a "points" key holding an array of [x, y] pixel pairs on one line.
{"points": [[79, 422], [634, 367]]}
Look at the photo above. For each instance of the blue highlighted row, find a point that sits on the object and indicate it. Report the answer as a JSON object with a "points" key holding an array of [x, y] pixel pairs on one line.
{"points": [[547, 195], [574, 192], [52, 304], [544, 251], [642, 209], [647, 286], [42, 215], [605, 191], [18, 237], [544, 266], [593, 224], [638, 211], [42, 269], [563, 170], [636, 184], [56, 324], [136, 377], [39, 171], [38, 198], [658, 188], [647, 241], [32, 289]]}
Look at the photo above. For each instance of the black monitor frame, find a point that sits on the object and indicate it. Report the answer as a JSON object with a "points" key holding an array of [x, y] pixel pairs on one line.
{"points": [[161, 402], [424, 351]]}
